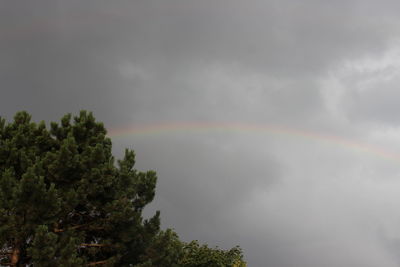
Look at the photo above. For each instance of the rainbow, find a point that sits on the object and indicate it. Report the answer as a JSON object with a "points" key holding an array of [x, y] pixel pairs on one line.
{"points": [[205, 127]]}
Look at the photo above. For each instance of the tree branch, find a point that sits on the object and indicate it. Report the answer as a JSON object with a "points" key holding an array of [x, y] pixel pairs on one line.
{"points": [[96, 263], [58, 230], [95, 245]]}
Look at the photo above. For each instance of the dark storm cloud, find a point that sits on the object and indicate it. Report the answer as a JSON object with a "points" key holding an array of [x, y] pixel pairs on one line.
{"points": [[69, 52], [239, 169], [266, 62], [56, 59]]}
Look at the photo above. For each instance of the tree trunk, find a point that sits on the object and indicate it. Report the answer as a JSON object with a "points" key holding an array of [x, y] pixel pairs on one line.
{"points": [[15, 256]]}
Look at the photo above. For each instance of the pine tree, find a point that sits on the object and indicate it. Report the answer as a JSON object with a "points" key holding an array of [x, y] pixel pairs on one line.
{"points": [[63, 202]]}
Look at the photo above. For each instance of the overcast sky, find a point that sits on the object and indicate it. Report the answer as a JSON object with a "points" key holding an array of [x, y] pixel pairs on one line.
{"points": [[323, 193]]}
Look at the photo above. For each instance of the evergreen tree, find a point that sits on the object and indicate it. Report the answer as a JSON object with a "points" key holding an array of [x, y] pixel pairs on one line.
{"points": [[64, 201]]}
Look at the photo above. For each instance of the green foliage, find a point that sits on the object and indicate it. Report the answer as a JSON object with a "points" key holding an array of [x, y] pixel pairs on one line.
{"points": [[168, 250], [64, 201], [204, 256], [165, 250], [49, 249]]}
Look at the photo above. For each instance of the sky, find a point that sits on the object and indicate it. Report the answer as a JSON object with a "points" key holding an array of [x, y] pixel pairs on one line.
{"points": [[273, 125]]}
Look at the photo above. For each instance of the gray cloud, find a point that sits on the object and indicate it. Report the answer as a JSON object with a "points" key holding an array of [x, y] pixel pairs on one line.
{"points": [[329, 70]]}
